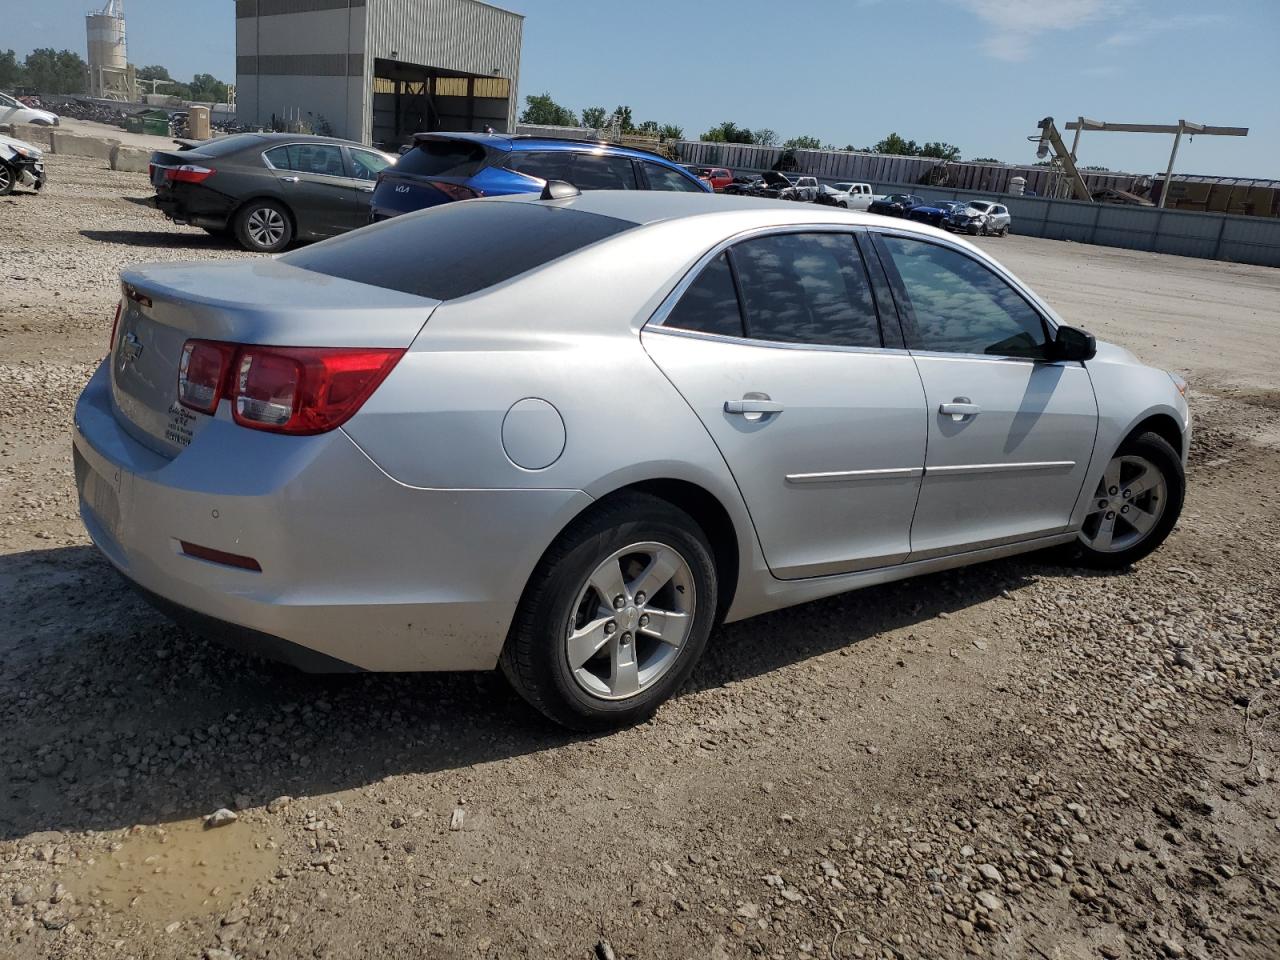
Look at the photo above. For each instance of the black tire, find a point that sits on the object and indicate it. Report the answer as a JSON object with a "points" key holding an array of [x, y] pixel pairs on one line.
{"points": [[973, 231], [1157, 452], [1004, 231], [256, 240], [7, 179], [534, 658]]}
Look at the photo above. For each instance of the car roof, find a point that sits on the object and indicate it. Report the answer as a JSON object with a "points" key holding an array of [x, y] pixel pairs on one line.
{"points": [[643, 207], [521, 142]]}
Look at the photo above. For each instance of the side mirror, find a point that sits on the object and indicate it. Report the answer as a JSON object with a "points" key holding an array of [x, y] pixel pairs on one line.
{"points": [[1072, 343]]}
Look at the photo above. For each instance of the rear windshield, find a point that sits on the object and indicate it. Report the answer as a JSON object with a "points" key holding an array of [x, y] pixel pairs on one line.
{"points": [[442, 158], [456, 249], [223, 146]]}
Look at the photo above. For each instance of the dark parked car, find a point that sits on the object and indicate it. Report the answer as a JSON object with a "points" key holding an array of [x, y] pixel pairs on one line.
{"points": [[895, 204], [934, 214], [769, 185], [443, 167], [269, 189]]}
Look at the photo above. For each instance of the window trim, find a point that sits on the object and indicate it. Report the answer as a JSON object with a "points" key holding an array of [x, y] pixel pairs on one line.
{"points": [[657, 320], [906, 315]]}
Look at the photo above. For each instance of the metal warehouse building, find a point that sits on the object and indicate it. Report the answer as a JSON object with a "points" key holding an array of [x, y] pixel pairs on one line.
{"points": [[378, 70]]}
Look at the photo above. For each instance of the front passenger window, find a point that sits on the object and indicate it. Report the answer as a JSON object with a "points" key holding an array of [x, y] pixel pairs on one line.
{"points": [[960, 306]]}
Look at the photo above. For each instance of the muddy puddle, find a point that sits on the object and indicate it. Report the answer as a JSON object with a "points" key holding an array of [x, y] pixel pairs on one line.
{"points": [[178, 870]]}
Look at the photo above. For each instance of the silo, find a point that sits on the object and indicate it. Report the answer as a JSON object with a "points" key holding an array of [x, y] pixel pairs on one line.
{"points": [[108, 56]]}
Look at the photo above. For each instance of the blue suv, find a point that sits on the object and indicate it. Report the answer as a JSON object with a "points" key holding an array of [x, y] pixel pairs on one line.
{"points": [[441, 167]]}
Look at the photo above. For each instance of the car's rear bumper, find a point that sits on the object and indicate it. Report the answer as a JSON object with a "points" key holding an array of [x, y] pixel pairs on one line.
{"points": [[195, 205], [365, 572]]}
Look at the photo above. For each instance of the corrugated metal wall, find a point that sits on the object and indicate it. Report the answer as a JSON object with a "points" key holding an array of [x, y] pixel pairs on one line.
{"points": [[1186, 233], [832, 165], [463, 35]]}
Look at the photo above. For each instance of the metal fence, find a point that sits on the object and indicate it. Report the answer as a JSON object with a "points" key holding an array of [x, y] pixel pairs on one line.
{"points": [[1186, 233]]}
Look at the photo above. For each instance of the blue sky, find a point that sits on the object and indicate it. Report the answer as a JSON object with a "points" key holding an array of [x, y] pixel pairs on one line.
{"points": [[976, 73]]}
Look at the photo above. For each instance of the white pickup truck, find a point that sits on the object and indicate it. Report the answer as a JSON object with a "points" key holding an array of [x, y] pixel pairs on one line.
{"points": [[854, 196]]}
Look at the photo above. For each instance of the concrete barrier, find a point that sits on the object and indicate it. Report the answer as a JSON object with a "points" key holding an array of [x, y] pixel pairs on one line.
{"points": [[129, 159], [37, 135], [75, 145]]}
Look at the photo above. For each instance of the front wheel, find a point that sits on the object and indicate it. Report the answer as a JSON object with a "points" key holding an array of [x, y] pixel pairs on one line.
{"points": [[1136, 504], [7, 180], [615, 615], [264, 226]]}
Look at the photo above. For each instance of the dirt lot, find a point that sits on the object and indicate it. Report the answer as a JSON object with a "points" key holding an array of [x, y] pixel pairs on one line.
{"points": [[1017, 760]]}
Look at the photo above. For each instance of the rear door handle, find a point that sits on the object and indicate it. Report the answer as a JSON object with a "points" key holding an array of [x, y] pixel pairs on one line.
{"points": [[961, 408]]}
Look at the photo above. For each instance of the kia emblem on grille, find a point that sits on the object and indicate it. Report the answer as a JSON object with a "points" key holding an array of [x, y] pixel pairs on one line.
{"points": [[130, 349]]}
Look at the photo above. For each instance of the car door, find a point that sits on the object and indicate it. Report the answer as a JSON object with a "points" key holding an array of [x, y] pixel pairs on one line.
{"points": [[776, 344], [364, 167], [313, 182], [1010, 432], [602, 171]]}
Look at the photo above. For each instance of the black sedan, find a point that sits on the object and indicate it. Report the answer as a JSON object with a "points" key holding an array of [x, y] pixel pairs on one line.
{"points": [[935, 214], [895, 204], [268, 189]]}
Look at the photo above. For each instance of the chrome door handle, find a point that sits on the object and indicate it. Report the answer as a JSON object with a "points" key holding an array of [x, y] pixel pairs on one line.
{"points": [[753, 406], [290, 179], [959, 409]]}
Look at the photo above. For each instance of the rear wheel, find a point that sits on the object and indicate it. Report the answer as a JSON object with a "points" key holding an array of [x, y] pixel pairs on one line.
{"points": [[615, 616], [1135, 506], [7, 180], [264, 226]]}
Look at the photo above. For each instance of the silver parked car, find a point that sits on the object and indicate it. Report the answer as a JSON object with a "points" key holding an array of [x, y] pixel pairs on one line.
{"points": [[984, 217], [570, 436]]}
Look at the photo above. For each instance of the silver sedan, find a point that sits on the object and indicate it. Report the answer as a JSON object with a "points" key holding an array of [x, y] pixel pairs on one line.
{"points": [[571, 436]]}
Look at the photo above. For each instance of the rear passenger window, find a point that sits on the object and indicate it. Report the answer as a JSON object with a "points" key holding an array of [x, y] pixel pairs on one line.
{"points": [[710, 305], [544, 165], [664, 178], [602, 172], [324, 159], [279, 157], [806, 288]]}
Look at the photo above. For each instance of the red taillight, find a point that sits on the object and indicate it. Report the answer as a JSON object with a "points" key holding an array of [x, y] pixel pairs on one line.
{"points": [[188, 173], [115, 325], [295, 390], [455, 191], [202, 372]]}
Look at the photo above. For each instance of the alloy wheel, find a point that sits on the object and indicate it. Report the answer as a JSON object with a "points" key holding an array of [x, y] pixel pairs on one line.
{"points": [[1127, 505], [630, 620], [265, 226], [6, 179]]}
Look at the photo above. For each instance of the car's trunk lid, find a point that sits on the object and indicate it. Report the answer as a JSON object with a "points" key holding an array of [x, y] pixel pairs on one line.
{"points": [[251, 302]]}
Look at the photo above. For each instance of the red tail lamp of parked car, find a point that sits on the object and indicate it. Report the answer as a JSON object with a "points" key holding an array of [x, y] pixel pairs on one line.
{"points": [[294, 390]]}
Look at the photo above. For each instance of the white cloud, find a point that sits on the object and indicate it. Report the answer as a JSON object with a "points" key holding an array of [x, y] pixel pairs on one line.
{"points": [[1153, 28], [1015, 24]]}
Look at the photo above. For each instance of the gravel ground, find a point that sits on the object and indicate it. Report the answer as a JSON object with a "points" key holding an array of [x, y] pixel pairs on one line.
{"points": [[1016, 760]]}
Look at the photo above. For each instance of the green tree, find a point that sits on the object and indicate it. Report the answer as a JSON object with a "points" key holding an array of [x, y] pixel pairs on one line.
{"points": [[594, 117], [669, 131], [56, 71], [11, 71], [540, 108], [206, 87], [985, 160], [154, 72], [897, 146], [765, 137], [942, 151], [802, 143], [728, 132], [649, 128]]}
